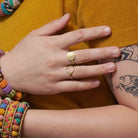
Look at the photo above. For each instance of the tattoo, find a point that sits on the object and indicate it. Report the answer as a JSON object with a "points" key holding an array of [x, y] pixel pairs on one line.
{"points": [[129, 53], [129, 84]]}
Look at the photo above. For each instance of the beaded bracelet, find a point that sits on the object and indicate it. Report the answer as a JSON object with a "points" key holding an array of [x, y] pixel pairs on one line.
{"points": [[7, 7], [18, 119], [6, 88], [7, 124], [9, 118], [3, 110]]}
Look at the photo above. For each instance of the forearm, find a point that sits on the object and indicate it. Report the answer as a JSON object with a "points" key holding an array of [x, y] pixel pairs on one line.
{"points": [[114, 121]]}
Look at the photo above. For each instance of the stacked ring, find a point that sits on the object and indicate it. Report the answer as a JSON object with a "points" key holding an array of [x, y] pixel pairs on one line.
{"points": [[70, 69]]}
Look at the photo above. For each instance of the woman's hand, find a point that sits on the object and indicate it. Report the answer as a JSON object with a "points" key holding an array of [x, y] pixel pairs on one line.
{"points": [[38, 64]]}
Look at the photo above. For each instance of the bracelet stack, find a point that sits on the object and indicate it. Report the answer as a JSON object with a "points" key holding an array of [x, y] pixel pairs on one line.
{"points": [[7, 7], [6, 88], [12, 114]]}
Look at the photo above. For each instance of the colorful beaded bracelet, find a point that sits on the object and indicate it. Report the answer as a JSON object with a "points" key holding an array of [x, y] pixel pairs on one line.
{"points": [[7, 7], [18, 119], [6, 88], [3, 110], [12, 114], [8, 120]]}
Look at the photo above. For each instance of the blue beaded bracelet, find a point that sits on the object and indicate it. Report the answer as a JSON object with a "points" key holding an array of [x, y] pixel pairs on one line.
{"points": [[4, 10]]}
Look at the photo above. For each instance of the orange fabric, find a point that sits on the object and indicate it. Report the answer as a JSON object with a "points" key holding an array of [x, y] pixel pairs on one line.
{"points": [[120, 15]]}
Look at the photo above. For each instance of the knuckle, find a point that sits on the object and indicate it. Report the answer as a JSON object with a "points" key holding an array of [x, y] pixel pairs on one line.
{"points": [[79, 34]]}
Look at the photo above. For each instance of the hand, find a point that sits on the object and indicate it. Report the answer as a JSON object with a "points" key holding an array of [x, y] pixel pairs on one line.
{"points": [[38, 63]]}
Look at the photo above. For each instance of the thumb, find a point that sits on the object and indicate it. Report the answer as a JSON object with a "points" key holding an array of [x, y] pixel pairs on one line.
{"points": [[54, 26]]}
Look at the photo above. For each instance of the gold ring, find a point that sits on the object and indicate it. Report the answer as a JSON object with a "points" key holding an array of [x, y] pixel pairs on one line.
{"points": [[71, 57], [70, 69]]}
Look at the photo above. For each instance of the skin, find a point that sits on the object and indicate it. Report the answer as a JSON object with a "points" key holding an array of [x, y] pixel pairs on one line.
{"points": [[116, 121], [33, 62]]}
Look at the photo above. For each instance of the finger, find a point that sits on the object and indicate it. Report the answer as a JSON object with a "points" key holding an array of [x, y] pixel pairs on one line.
{"points": [[54, 26], [74, 37], [86, 55], [77, 85], [80, 72]]}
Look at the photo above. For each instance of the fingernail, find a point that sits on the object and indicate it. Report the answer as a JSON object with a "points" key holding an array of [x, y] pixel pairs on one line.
{"points": [[64, 16], [107, 30], [115, 51], [96, 82], [111, 67]]}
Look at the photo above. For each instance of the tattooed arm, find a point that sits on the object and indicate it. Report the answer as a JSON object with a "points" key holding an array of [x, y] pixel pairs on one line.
{"points": [[114, 121], [124, 82]]}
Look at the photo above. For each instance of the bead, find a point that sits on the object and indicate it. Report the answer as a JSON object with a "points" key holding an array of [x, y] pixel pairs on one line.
{"points": [[4, 10], [7, 89], [2, 111], [15, 127], [23, 105], [7, 129], [5, 101], [9, 99], [3, 84], [12, 93], [1, 123], [10, 115], [3, 105], [7, 126], [71, 56], [7, 132], [5, 123], [1, 117], [26, 103], [1, 12], [16, 121], [10, 118], [18, 115], [14, 133], [20, 109], [6, 119], [3, 133], [18, 96]]}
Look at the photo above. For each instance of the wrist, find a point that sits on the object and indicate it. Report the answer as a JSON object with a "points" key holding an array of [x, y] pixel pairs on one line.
{"points": [[6, 85]]}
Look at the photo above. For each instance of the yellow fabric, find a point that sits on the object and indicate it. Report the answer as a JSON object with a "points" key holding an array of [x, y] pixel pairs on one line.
{"points": [[120, 15]]}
